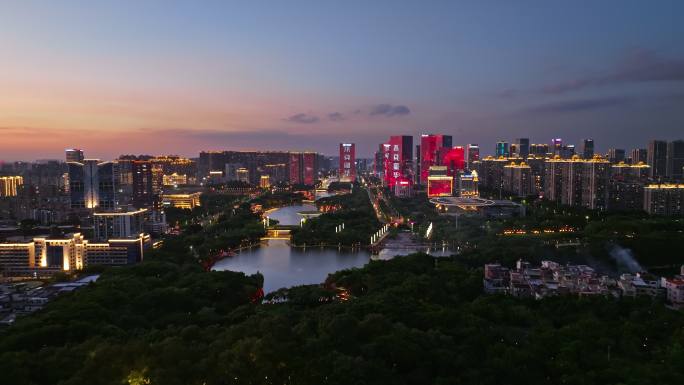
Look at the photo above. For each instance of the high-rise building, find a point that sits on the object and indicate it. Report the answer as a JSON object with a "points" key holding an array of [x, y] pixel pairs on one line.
{"points": [[616, 155], [638, 155], [517, 179], [254, 161], [379, 161], [74, 155], [588, 148], [157, 179], [572, 182], [473, 153], [92, 185], [539, 149], [242, 175], [523, 147], [398, 168], [9, 185], [143, 184], [675, 160], [557, 146], [490, 172], [265, 181], [502, 149], [625, 195], [664, 199], [657, 158], [453, 158], [630, 172], [417, 163], [468, 184], [567, 151], [578, 182], [347, 169], [595, 177], [119, 225], [303, 168], [430, 146], [537, 168], [553, 178], [276, 172]]}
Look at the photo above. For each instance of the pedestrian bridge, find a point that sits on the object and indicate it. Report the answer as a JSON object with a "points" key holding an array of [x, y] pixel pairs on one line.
{"points": [[279, 232]]}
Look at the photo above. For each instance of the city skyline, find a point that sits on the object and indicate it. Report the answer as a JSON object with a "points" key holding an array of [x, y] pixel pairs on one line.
{"points": [[165, 77]]}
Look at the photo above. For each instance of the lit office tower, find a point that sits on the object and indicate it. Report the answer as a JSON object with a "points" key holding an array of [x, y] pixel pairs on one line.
{"points": [[417, 164], [119, 225], [91, 185], [557, 146], [9, 185], [242, 175], [429, 152], [143, 183], [347, 170], [675, 159], [616, 155], [303, 168], [588, 148], [502, 149], [74, 155], [157, 179], [639, 155], [657, 158], [397, 155], [523, 147], [541, 149], [473, 153], [453, 158], [379, 163]]}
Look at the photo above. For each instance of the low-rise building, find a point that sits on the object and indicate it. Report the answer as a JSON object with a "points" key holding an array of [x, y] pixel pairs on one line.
{"points": [[182, 200], [40, 257]]}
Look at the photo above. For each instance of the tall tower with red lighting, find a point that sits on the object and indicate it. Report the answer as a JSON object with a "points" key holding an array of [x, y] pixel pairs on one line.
{"points": [[347, 170], [430, 146]]}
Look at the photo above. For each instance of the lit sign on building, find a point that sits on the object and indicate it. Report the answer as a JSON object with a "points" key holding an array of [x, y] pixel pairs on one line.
{"points": [[440, 186]]}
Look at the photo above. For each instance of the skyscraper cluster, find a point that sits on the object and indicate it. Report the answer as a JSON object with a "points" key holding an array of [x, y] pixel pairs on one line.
{"points": [[647, 179]]}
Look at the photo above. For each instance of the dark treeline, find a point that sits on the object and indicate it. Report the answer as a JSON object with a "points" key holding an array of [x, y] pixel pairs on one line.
{"points": [[411, 320]]}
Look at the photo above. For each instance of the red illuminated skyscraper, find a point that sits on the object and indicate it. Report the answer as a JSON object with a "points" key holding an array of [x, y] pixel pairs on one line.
{"points": [[430, 146], [453, 159], [397, 156], [303, 168], [347, 171], [473, 154]]}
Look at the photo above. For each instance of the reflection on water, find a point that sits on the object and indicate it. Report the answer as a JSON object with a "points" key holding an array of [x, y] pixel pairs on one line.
{"points": [[389, 253], [288, 215], [283, 266]]}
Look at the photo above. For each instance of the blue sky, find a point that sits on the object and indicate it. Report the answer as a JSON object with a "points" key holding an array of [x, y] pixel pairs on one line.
{"points": [[185, 76]]}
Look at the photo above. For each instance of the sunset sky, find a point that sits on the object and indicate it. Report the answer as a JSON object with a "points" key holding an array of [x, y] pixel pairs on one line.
{"points": [[158, 77]]}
